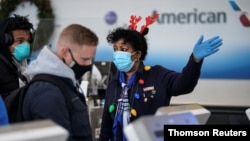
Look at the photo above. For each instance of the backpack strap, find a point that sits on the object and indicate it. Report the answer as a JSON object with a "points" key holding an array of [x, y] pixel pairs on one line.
{"points": [[58, 83]]}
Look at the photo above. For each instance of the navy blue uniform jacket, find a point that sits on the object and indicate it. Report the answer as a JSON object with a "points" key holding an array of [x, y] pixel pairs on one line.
{"points": [[160, 84], [44, 100]]}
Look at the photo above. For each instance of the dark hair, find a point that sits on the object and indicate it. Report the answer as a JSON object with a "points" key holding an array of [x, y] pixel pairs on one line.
{"points": [[19, 23], [9, 24], [133, 37]]}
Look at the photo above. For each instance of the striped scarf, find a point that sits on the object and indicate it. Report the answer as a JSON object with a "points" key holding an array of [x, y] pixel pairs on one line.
{"points": [[122, 116]]}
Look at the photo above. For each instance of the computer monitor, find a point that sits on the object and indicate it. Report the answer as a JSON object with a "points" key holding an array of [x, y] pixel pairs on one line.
{"points": [[151, 127], [40, 130], [199, 111], [99, 77]]}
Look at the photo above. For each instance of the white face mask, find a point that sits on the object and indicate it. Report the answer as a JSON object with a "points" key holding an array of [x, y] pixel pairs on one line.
{"points": [[122, 60]]}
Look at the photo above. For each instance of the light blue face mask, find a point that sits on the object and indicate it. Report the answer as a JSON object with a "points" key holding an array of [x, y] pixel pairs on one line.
{"points": [[122, 61], [22, 51]]}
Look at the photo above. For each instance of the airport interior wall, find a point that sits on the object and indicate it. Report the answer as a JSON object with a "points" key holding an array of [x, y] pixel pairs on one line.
{"points": [[225, 79]]}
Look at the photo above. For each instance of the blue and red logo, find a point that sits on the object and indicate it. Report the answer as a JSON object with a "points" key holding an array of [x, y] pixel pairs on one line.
{"points": [[245, 21]]}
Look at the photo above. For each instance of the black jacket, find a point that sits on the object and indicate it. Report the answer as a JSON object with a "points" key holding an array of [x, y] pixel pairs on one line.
{"points": [[8, 75], [8, 71]]}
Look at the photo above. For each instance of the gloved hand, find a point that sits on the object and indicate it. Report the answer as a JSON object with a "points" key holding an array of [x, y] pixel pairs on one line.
{"points": [[206, 48]]}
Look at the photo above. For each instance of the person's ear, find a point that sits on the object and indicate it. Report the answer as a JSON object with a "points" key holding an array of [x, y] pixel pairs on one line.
{"points": [[138, 54], [64, 52]]}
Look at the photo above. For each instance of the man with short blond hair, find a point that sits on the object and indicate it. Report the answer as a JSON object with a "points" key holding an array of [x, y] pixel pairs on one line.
{"points": [[75, 50]]}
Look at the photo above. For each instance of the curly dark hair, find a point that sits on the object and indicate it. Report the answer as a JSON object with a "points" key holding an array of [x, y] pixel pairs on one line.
{"points": [[19, 22], [132, 37], [9, 24]]}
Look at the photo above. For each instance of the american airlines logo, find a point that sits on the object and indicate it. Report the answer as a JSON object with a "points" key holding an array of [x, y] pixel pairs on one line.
{"points": [[245, 21], [194, 16]]}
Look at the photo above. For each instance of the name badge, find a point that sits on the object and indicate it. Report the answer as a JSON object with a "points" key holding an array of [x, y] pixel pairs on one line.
{"points": [[150, 88]]}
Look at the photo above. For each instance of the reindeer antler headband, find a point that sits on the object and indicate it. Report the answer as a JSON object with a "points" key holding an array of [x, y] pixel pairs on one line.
{"points": [[149, 20]]}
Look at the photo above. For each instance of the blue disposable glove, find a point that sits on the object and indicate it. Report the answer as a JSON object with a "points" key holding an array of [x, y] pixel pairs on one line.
{"points": [[206, 48]]}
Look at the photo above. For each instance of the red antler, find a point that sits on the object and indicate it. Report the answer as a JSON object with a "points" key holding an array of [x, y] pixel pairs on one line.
{"points": [[133, 21], [149, 21]]}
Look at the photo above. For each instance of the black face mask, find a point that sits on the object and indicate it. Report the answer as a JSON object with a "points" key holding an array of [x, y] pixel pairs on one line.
{"points": [[79, 70]]}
